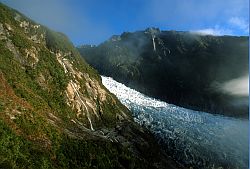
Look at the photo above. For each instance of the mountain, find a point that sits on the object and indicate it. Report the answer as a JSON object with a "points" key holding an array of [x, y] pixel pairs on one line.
{"points": [[199, 72], [54, 110]]}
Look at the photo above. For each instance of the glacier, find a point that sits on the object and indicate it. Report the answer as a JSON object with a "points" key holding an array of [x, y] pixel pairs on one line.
{"points": [[192, 138]]}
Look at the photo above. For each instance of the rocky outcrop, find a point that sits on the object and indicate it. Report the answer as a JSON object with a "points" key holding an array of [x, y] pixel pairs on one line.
{"points": [[87, 105]]}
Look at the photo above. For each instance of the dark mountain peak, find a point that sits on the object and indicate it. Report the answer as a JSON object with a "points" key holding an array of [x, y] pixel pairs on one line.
{"points": [[86, 46], [176, 66], [152, 30], [115, 38]]}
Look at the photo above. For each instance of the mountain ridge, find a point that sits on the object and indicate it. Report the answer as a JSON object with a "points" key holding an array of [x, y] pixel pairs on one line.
{"points": [[182, 68]]}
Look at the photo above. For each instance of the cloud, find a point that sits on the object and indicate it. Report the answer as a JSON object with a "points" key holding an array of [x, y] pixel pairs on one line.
{"points": [[238, 86], [197, 11], [240, 23], [216, 31]]}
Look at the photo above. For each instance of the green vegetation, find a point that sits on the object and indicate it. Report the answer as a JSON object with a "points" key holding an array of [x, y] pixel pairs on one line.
{"points": [[17, 152], [58, 41], [38, 129], [94, 154]]}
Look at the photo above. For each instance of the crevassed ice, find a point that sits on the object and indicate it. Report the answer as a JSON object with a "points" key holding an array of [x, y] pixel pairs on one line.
{"points": [[192, 138], [122, 91]]}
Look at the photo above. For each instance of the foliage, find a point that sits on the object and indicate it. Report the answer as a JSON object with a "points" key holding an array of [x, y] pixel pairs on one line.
{"points": [[17, 152], [37, 129]]}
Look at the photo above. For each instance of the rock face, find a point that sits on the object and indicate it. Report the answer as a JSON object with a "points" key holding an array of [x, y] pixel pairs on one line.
{"points": [[183, 68], [54, 110]]}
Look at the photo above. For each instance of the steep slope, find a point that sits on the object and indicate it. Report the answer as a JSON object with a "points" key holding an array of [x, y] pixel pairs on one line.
{"points": [[183, 68], [54, 111]]}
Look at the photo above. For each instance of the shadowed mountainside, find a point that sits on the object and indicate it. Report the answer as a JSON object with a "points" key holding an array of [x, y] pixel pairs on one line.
{"points": [[200, 72]]}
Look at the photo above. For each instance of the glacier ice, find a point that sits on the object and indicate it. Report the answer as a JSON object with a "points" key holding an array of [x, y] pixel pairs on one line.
{"points": [[192, 138]]}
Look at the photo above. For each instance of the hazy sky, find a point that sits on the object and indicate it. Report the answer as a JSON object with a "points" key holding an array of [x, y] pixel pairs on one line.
{"points": [[93, 21]]}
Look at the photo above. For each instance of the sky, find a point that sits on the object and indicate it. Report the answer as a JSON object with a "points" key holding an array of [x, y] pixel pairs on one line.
{"points": [[94, 21]]}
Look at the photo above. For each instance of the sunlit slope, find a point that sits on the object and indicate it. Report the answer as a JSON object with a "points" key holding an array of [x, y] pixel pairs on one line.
{"points": [[54, 111]]}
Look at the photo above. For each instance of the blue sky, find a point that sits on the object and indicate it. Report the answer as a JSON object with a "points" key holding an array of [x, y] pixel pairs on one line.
{"points": [[94, 21]]}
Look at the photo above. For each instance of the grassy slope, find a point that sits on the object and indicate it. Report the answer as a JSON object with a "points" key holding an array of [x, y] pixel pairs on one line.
{"points": [[35, 126]]}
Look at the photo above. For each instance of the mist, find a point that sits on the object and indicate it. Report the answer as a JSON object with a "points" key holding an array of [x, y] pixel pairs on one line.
{"points": [[237, 87]]}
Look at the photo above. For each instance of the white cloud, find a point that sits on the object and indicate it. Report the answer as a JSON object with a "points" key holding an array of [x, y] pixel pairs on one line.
{"points": [[240, 23], [194, 13], [238, 86], [216, 31]]}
